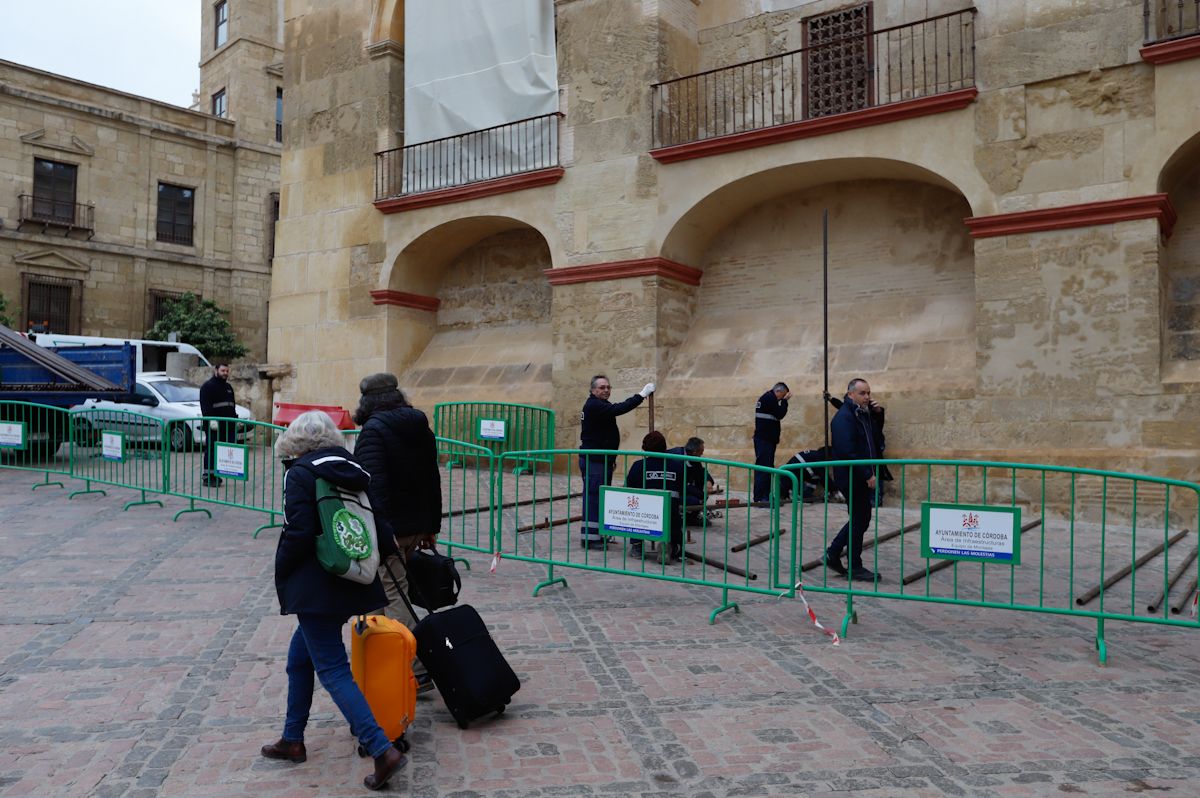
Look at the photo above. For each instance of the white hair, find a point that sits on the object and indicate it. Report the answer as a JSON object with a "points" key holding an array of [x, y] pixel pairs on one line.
{"points": [[310, 431]]}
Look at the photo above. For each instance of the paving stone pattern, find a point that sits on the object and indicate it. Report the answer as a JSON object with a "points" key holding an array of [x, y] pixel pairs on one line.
{"points": [[141, 657]]}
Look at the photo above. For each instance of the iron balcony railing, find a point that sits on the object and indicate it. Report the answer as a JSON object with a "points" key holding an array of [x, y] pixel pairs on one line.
{"points": [[56, 213], [1170, 19], [920, 59], [509, 149]]}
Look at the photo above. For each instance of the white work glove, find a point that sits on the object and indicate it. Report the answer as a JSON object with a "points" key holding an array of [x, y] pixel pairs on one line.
{"points": [[649, 389]]}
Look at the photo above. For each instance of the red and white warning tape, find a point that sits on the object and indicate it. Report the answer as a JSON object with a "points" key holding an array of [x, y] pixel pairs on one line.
{"points": [[1195, 602], [812, 616], [495, 562]]}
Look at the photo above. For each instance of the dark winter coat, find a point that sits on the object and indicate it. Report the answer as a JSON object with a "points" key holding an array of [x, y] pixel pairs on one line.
{"points": [[696, 477], [660, 473], [853, 439], [216, 398], [300, 582], [767, 412], [399, 450], [598, 422]]}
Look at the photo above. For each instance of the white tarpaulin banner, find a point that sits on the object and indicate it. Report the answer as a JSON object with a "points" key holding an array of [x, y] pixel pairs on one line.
{"points": [[470, 65]]}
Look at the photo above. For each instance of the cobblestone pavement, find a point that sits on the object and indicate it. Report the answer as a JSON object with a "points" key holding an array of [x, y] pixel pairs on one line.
{"points": [[142, 657]]}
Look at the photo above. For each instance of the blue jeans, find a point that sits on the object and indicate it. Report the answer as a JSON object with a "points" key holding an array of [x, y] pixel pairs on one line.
{"points": [[317, 648]]}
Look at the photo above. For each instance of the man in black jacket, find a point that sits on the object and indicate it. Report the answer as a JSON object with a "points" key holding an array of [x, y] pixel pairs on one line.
{"points": [[660, 473], [698, 483], [854, 439], [399, 450], [216, 400], [770, 408], [598, 430]]}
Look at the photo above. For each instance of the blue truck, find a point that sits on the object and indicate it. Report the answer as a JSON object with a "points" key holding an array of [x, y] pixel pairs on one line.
{"points": [[38, 384]]}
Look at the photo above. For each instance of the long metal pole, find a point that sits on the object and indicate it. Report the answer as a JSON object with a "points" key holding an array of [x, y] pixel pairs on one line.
{"points": [[825, 315]]}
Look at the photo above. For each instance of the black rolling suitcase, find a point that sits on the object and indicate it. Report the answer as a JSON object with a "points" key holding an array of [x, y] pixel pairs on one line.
{"points": [[467, 667], [465, 663]]}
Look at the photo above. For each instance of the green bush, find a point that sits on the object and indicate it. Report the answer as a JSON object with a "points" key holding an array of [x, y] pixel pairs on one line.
{"points": [[4, 319], [201, 323]]}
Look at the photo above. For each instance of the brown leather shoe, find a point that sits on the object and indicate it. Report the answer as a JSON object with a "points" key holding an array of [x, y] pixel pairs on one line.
{"points": [[385, 767], [283, 749]]}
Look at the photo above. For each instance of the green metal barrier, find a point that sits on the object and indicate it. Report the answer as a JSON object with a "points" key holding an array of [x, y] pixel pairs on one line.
{"points": [[120, 448], [226, 462], [1092, 544], [467, 496], [499, 427], [729, 543], [32, 438]]}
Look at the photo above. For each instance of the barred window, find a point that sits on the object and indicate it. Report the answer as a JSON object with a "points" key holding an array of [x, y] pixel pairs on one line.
{"points": [[156, 304], [52, 304]]}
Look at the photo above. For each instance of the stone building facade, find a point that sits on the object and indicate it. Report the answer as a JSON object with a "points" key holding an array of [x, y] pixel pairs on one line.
{"points": [[1012, 191], [115, 202]]}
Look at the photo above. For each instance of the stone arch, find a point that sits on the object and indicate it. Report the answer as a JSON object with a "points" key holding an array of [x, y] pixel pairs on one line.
{"points": [[687, 236], [490, 336], [387, 21], [902, 291], [1179, 266]]}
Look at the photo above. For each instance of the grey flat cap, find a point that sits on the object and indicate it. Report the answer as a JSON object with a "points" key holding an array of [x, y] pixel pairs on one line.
{"points": [[378, 383]]}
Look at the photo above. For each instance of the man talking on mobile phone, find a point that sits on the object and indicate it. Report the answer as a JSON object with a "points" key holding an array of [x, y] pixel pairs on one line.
{"points": [[854, 438]]}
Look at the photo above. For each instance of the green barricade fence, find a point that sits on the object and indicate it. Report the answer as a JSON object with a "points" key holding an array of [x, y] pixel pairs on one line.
{"points": [[1099, 545], [467, 495], [120, 448], [351, 438], [728, 543], [499, 427], [225, 462], [32, 438]]}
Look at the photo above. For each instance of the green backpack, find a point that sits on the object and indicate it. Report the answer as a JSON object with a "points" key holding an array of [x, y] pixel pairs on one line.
{"points": [[348, 544]]}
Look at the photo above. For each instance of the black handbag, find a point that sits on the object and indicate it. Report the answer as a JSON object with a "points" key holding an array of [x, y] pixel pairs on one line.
{"points": [[433, 580]]}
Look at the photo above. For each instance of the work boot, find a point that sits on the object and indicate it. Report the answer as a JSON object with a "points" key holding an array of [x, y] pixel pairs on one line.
{"points": [[835, 564]]}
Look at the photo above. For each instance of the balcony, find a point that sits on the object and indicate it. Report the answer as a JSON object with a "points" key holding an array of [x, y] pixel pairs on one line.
{"points": [[494, 160], [1172, 30], [1166, 20], [850, 81], [69, 216]]}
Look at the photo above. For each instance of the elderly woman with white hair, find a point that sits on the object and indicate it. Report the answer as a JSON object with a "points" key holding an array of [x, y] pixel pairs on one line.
{"points": [[311, 447]]}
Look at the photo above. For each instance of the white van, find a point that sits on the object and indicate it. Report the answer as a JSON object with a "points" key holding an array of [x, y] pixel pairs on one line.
{"points": [[151, 355]]}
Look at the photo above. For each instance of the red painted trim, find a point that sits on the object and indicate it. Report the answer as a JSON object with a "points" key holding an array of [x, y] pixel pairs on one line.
{"points": [[1152, 206], [403, 299], [879, 115], [485, 188], [1172, 51], [642, 267]]}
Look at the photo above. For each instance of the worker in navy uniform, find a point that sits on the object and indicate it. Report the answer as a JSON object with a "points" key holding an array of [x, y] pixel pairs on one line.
{"points": [[216, 401], [598, 430], [771, 407], [854, 439], [698, 483], [660, 473]]}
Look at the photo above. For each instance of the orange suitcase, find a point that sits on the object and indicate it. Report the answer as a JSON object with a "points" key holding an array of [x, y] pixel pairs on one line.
{"points": [[381, 657]]}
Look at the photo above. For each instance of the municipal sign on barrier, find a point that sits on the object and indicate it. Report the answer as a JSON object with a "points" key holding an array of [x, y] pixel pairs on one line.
{"points": [[491, 429], [634, 512], [231, 460], [112, 445], [12, 435], [975, 532]]}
